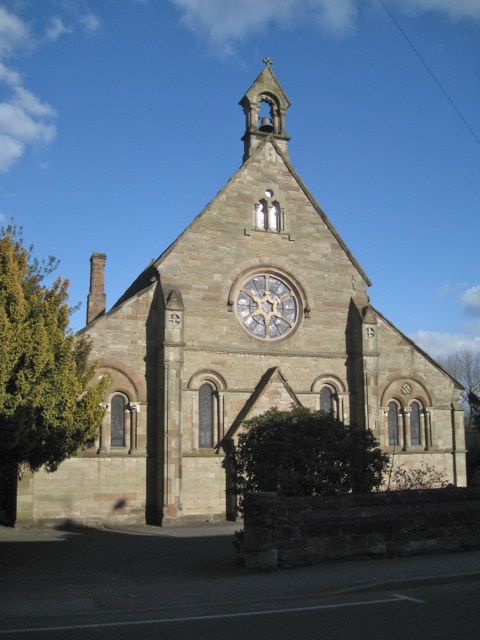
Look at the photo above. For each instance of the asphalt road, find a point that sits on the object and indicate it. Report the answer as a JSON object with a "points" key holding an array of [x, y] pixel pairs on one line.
{"points": [[182, 582], [433, 612]]}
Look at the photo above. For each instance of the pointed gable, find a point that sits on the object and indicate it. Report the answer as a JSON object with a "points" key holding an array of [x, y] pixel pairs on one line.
{"points": [[272, 390]]}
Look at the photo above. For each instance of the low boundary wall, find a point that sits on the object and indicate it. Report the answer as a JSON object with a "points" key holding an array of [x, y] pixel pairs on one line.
{"points": [[324, 528]]}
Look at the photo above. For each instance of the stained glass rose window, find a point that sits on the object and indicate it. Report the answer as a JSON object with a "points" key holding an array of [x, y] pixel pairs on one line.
{"points": [[267, 307]]}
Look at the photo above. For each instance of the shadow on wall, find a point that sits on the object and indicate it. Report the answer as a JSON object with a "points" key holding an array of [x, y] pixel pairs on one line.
{"points": [[155, 334]]}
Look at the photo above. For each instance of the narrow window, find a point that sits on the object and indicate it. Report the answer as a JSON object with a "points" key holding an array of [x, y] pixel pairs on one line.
{"points": [[392, 423], [205, 417], [326, 400], [118, 421], [273, 217], [260, 215], [415, 423]]}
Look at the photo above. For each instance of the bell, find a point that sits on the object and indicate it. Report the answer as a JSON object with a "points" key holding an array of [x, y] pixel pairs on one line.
{"points": [[266, 125]]}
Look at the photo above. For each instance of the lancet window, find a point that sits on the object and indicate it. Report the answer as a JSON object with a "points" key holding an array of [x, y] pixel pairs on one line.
{"points": [[118, 421], [392, 424], [326, 400], [415, 423], [205, 416], [268, 214]]}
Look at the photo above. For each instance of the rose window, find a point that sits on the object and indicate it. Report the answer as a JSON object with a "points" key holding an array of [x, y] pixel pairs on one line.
{"points": [[267, 307]]}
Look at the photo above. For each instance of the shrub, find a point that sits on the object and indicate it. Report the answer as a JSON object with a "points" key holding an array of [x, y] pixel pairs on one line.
{"points": [[305, 453], [426, 477]]}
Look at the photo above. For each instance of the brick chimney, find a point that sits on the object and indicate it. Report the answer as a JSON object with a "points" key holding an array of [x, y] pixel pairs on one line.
{"points": [[96, 300]]}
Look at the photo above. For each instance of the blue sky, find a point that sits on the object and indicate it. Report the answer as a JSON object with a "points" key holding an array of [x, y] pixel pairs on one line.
{"points": [[119, 121]]}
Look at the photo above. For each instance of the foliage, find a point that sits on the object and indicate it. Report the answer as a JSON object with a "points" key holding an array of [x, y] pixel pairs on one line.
{"points": [[303, 453], [464, 365], [425, 477], [47, 409], [474, 402]]}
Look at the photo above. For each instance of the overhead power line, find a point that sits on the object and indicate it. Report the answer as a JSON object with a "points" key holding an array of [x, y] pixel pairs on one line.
{"points": [[429, 70]]}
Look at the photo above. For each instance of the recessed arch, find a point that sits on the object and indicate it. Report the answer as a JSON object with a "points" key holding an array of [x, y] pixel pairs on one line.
{"points": [[404, 389], [131, 382], [327, 379], [207, 375]]}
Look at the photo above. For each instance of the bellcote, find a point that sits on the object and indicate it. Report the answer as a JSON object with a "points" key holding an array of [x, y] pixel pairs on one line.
{"points": [[267, 89]]}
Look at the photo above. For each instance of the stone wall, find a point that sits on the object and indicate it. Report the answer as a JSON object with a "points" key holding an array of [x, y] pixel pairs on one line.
{"points": [[85, 491], [324, 528]]}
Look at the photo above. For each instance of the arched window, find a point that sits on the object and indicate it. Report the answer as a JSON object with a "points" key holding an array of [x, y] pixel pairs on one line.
{"points": [[260, 215], [392, 423], [326, 400], [205, 416], [268, 216], [414, 423], [274, 216], [118, 421]]}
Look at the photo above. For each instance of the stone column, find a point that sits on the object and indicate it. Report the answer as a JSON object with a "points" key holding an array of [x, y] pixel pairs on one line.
{"points": [[428, 430], [406, 429], [172, 364], [133, 427], [384, 427], [458, 445], [370, 368], [102, 450], [423, 428]]}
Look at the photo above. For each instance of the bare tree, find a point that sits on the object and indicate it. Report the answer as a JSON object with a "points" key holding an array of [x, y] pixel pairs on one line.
{"points": [[464, 365]]}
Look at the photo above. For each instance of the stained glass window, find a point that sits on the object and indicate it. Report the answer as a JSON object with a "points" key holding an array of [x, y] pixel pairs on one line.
{"points": [[392, 424], [205, 417], [118, 421], [326, 400], [266, 306], [415, 423]]}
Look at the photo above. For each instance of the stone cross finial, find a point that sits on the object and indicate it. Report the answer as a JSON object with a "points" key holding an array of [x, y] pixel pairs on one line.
{"points": [[267, 61]]}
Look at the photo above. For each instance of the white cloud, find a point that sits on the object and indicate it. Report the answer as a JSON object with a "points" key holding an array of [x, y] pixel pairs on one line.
{"points": [[29, 103], [446, 288], [13, 32], [2, 218], [17, 123], [24, 118], [471, 299], [442, 344], [9, 76], [225, 21], [11, 150], [90, 21], [455, 9], [439, 344], [56, 28]]}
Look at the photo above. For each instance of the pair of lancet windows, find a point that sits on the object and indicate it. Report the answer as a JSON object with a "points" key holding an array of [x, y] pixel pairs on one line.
{"points": [[393, 427], [268, 214]]}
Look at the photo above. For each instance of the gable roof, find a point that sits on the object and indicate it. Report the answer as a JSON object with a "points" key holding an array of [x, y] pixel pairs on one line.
{"points": [[412, 344], [268, 377], [318, 209]]}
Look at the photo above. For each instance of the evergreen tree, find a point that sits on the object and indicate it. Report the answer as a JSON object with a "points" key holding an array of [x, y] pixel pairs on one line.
{"points": [[49, 407], [305, 453]]}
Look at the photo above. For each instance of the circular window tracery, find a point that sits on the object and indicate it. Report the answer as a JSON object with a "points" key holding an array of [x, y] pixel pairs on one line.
{"points": [[267, 307]]}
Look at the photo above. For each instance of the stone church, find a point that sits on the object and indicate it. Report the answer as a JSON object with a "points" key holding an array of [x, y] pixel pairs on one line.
{"points": [[258, 303]]}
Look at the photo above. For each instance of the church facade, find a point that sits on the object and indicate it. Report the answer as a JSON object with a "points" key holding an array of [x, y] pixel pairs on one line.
{"points": [[258, 303]]}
